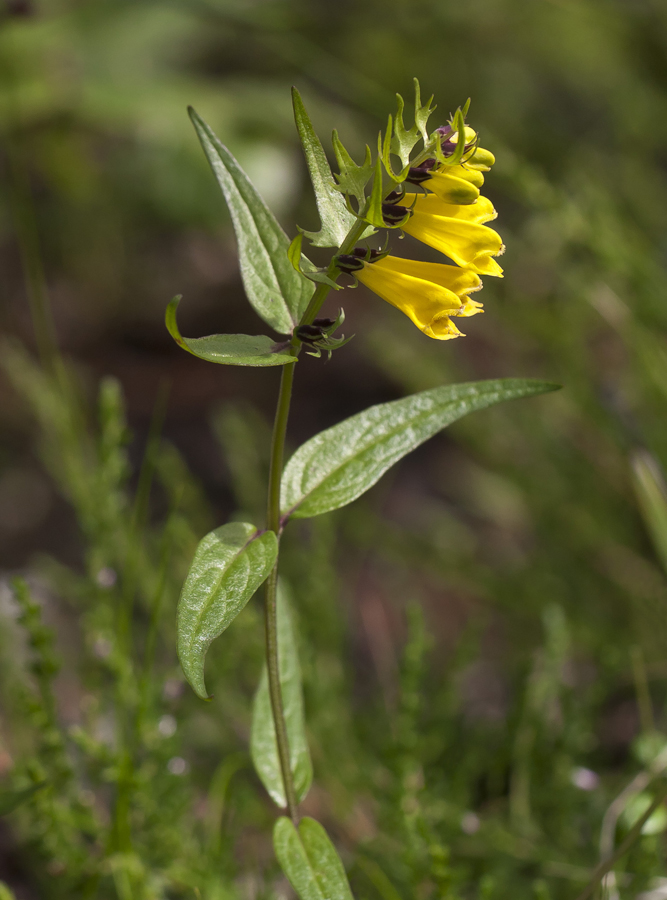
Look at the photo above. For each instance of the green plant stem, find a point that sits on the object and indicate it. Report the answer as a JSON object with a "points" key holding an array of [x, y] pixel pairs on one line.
{"points": [[270, 611], [608, 864], [333, 272], [274, 523]]}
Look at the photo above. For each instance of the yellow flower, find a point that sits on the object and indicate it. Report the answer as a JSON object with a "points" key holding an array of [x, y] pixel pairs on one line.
{"points": [[428, 293], [457, 231]]}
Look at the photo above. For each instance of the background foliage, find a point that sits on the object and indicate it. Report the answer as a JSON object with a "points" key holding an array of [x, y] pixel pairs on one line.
{"points": [[483, 627]]}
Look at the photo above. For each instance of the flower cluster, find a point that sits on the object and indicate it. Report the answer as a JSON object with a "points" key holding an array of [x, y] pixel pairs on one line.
{"points": [[439, 203]]}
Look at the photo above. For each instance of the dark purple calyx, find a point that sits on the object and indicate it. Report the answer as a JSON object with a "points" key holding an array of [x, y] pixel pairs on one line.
{"points": [[393, 214], [421, 173], [354, 262]]}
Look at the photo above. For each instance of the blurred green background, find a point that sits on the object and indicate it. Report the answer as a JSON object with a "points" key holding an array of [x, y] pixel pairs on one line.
{"points": [[492, 619]]}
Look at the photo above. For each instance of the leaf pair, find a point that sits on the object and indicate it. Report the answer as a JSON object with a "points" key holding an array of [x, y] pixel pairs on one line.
{"points": [[277, 278], [276, 289], [327, 472]]}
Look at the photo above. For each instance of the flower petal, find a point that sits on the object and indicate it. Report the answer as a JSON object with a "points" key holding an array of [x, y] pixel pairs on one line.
{"points": [[480, 211], [466, 243], [467, 174]]}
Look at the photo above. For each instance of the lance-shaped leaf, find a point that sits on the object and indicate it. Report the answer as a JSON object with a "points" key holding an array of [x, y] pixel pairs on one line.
{"points": [[263, 744], [229, 565], [340, 464], [276, 290], [335, 217], [229, 349], [310, 860]]}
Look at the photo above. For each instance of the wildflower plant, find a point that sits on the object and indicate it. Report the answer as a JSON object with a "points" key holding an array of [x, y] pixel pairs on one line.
{"points": [[426, 184]]}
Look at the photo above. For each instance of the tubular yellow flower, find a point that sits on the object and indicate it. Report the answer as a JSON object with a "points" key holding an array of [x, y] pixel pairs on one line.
{"points": [[456, 231], [428, 293]]}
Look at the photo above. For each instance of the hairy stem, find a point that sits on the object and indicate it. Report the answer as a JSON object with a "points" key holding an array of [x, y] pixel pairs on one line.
{"points": [[333, 272]]}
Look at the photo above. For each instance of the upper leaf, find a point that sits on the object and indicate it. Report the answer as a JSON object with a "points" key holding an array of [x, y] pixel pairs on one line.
{"points": [[310, 861], [276, 290], [229, 349], [352, 179], [340, 464], [335, 217], [229, 565], [263, 744]]}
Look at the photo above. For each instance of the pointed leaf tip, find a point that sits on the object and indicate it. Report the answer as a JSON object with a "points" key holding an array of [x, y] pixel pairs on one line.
{"points": [[229, 349], [278, 293], [335, 218]]}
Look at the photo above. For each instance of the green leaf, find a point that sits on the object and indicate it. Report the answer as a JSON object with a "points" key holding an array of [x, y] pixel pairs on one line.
{"points": [[651, 493], [302, 264], [229, 565], [404, 139], [229, 349], [352, 179], [340, 464], [310, 860], [423, 113], [5, 892], [277, 292], [263, 745], [335, 217], [11, 800]]}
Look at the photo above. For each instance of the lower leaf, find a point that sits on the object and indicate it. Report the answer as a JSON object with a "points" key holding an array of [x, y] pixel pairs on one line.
{"points": [[310, 861], [229, 565], [230, 349]]}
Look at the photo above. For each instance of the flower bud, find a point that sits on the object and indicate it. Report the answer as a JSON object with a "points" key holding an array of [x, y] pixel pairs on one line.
{"points": [[482, 159]]}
